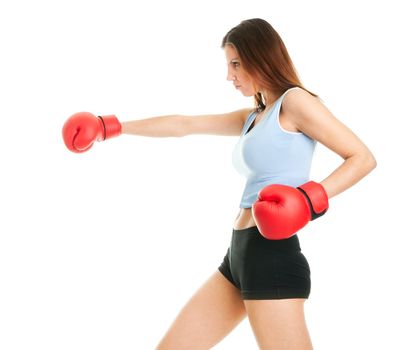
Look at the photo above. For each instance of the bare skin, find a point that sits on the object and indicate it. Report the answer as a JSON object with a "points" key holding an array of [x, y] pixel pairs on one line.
{"points": [[213, 312], [217, 307], [279, 324]]}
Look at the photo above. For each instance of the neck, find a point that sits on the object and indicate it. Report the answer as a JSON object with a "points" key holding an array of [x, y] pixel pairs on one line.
{"points": [[268, 97]]}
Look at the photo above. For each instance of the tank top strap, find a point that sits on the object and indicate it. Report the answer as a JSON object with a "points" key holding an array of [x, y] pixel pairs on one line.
{"points": [[277, 105], [248, 122], [273, 112]]}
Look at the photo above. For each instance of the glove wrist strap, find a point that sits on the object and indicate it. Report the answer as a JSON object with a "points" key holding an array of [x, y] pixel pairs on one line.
{"points": [[317, 198], [111, 126]]}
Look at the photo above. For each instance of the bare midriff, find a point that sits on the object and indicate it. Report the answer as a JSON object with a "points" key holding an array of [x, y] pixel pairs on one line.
{"points": [[244, 219]]}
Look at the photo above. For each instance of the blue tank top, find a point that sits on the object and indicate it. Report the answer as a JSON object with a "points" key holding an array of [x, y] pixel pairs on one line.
{"points": [[268, 154]]}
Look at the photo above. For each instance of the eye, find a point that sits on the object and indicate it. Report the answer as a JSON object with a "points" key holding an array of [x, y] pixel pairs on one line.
{"points": [[236, 64]]}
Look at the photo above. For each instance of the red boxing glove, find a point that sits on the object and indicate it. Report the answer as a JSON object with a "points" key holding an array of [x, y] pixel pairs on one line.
{"points": [[280, 210], [82, 129]]}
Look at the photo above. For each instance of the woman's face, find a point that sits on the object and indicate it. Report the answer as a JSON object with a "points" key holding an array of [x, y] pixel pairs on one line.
{"points": [[241, 79]]}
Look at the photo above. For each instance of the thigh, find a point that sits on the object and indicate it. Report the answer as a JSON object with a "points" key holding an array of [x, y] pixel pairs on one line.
{"points": [[279, 324], [213, 311]]}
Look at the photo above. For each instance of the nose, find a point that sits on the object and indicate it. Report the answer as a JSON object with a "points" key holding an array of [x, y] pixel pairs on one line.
{"points": [[230, 76]]}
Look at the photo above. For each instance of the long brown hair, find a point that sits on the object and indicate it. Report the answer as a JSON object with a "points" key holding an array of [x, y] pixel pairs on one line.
{"points": [[264, 56]]}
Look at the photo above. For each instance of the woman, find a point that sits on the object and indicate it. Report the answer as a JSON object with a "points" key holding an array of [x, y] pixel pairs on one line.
{"points": [[262, 276]]}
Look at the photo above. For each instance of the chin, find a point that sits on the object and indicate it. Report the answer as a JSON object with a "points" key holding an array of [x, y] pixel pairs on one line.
{"points": [[248, 94]]}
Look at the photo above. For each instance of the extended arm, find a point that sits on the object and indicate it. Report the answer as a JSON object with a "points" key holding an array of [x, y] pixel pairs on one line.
{"points": [[82, 129], [226, 124]]}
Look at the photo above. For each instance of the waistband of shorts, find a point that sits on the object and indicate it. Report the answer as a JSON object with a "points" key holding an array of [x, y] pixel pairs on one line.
{"points": [[246, 230], [252, 233]]}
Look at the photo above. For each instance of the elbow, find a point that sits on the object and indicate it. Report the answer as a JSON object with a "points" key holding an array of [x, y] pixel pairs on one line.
{"points": [[365, 162], [184, 126], [372, 162], [369, 162]]}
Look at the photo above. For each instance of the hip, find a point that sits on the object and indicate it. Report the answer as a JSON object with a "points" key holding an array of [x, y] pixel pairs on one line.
{"points": [[249, 242], [244, 219]]}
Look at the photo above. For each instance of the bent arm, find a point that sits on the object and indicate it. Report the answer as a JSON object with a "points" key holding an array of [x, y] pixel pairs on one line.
{"points": [[313, 118], [349, 173]]}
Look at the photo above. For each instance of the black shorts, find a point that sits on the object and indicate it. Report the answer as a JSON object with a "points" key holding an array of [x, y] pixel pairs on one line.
{"points": [[266, 269]]}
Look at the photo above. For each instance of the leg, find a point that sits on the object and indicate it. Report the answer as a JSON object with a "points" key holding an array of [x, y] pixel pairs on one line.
{"points": [[279, 324], [215, 309]]}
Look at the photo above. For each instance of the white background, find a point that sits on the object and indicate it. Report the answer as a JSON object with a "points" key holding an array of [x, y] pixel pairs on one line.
{"points": [[101, 250]]}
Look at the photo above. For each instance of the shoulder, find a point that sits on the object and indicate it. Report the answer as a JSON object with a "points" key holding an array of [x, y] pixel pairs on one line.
{"points": [[298, 99], [300, 107]]}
